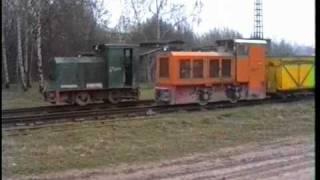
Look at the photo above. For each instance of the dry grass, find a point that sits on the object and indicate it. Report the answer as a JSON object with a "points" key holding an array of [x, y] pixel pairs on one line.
{"points": [[152, 138], [15, 97], [147, 93]]}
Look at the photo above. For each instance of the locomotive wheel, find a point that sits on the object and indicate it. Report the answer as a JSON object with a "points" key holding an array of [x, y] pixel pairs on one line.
{"points": [[203, 98], [232, 95], [113, 99], [232, 100], [203, 103], [82, 98]]}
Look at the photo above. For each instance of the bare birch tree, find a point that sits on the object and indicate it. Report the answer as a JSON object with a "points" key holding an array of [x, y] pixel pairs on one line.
{"points": [[28, 25], [26, 58], [26, 50], [39, 53], [19, 45], [20, 55], [30, 66], [4, 50]]}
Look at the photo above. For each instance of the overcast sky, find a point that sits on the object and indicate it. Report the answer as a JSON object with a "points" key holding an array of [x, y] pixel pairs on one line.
{"points": [[292, 20]]}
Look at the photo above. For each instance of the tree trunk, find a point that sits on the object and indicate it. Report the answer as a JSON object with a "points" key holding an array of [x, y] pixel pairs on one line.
{"points": [[4, 53], [26, 49], [41, 78], [17, 72], [29, 79], [158, 27], [20, 57], [26, 55], [158, 8]]}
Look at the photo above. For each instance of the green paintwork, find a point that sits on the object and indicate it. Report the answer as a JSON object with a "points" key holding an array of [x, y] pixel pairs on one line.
{"points": [[107, 68], [115, 63], [71, 73], [115, 67]]}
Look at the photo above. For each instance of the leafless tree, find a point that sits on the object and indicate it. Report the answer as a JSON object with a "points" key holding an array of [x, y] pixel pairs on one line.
{"points": [[39, 53], [62, 28], [4, 50], [19, 44], [28, 25], [139, 8]]}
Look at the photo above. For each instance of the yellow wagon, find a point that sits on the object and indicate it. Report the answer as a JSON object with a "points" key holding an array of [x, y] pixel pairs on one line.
{"points": [[290, 74]]}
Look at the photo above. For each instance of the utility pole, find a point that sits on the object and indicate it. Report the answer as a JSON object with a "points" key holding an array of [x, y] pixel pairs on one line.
{"points": [[258, 20]]}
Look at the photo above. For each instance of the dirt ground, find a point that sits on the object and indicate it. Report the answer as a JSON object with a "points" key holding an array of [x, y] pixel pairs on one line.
{"points": [[285, 158]]}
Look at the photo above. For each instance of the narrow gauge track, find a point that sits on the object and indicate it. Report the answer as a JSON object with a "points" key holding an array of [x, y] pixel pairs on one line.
{"points": [[30, 121], [65, 108]]}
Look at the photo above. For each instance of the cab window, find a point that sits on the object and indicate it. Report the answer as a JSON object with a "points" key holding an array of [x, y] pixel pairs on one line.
{"points": [[214, 68], [242, 50], [226, 68], [198, 68], [185, 69]]}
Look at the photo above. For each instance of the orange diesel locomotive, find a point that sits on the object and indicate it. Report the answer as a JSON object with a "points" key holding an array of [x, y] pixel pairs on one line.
{"points": [[236, 71]]}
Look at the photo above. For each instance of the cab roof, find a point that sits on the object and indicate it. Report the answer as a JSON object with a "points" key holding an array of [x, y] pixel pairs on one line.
{"points": [[244, 41], [198, 53]]}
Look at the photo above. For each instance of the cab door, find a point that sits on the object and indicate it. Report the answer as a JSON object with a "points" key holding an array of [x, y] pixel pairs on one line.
{"points": [[257, 77], [128, 65], [115, 68]]}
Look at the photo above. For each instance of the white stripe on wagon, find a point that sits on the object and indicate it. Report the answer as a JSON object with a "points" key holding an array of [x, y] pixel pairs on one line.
{"points": [[94, 85], [69, 86]]}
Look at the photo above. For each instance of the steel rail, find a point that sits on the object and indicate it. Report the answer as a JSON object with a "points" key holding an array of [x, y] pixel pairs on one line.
{"points": [[34, 120], [64, 108]]}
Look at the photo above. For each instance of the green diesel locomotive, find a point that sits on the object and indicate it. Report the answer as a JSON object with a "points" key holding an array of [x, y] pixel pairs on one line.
{"points": [[105, 75]]}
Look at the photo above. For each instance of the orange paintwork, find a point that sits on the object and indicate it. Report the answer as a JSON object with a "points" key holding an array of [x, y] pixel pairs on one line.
{"points": [[257, 77], [206, 57], [247, 70], [242, 70]]}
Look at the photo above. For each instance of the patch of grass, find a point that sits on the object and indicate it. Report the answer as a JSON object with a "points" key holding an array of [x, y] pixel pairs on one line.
{"points": [[15, 97], [152, 138], [146, 93]]}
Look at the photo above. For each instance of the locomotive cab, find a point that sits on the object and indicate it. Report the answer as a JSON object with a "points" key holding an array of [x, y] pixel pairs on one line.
{"points": [[250, 66]]}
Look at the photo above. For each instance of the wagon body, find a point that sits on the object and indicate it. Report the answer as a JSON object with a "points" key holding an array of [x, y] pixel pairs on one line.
{"points": [[290, 74]]}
